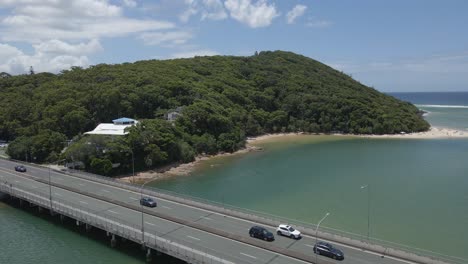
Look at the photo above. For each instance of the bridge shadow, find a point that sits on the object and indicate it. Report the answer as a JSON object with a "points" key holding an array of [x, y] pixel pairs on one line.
{"points": [[127, 247]]}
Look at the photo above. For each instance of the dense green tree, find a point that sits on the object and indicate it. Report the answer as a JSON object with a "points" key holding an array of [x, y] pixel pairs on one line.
{"points": [[224, 99]]}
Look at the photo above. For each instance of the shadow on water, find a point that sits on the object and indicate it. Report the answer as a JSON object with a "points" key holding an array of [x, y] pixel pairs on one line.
{"points": [[129, 248]]}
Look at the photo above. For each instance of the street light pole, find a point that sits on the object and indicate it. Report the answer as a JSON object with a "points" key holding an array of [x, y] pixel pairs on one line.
{"points": [[142, 215], [133, 167], [316, 233], [50, 185], [368, 210], [50, 191]]}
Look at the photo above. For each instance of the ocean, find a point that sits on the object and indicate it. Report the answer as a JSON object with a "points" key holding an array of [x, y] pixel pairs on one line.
{"points": [[418, 198], [444, 109]]}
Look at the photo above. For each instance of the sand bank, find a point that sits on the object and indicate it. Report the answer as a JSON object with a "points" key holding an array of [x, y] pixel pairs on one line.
{"points": [[434, 132], [178, 169]]}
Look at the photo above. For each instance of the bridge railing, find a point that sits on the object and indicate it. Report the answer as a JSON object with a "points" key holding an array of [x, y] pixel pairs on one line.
{"points": [[377, 245], [357, 240], [178, 247]]}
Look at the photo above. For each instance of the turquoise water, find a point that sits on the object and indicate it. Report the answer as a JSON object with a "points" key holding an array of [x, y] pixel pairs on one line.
{"points": [[444, 109], [455, 117], [27, 237], [419, 192], [418, 187]]}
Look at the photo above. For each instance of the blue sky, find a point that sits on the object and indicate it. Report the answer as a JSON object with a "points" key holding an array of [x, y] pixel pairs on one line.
{"points": [[407, 45]]}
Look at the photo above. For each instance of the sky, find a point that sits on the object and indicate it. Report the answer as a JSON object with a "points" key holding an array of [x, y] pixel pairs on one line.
{"points": [[393, 46]]}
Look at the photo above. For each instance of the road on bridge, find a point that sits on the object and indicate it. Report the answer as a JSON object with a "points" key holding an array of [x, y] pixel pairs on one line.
{"points": [[232, 250]]}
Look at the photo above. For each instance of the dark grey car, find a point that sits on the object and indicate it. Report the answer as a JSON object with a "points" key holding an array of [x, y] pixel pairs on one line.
{"points": [[20, 168], [326, 249], [147, 201]]}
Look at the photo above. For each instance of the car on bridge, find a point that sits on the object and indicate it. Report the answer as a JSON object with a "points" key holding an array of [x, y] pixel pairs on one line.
{"points": [[261, 233], [328, 250], [20, 168], [289, 231], [147, 201]]}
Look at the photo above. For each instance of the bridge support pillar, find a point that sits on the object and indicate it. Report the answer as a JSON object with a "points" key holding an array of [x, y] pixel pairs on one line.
{"points": [[87, 227], [21, 202], [52, 213], [148, 255], [78, 223], [108, 233], [62, 217], [39, 209], [113, 241]]}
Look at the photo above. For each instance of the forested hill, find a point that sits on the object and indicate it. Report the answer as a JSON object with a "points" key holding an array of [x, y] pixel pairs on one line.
{"points": [[224, 99]]}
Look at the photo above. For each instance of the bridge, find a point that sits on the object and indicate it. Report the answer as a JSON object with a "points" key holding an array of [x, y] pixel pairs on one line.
{"points": [[186, 228]]}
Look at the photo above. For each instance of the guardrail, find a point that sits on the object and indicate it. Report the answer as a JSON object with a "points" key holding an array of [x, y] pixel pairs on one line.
{"points": [[385, 248], [179, 248]]}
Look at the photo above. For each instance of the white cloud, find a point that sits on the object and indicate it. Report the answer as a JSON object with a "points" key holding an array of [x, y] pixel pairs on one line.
{"points": [[296, 12], [209, 9], [167, 39], [253, 13], [319, 23], [49, 56], [35, 21], [191, 10], [214, 10], [59, 47], [457, 63], [191, 54], [130, 3]]}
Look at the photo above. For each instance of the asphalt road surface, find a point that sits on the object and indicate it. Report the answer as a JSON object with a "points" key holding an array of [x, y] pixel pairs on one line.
{"points": [[231, 250]]}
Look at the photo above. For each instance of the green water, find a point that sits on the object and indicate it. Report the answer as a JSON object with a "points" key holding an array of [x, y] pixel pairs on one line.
{"points": [[419, 196], [419, 188], [28, 237]]}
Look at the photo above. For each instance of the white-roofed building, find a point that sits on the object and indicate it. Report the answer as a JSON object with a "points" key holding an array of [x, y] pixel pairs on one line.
{"points": [[117, 128]]}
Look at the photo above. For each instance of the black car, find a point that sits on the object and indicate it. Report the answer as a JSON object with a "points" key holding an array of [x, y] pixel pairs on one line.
{"points": [[261, 233], [20, 168], [326, 249], [146, 201]]}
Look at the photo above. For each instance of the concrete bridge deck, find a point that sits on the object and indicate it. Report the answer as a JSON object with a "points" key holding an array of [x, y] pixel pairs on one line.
{"points": [[190, 230]]}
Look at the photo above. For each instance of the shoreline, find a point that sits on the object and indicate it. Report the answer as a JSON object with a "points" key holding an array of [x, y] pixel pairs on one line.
{"points": [[177, 169]]}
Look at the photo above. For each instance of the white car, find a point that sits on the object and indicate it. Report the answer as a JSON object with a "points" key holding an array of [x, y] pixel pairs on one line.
{"points": [[289, 231]]}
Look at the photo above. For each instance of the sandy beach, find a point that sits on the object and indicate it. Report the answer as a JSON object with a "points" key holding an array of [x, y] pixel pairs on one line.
{"points": [[434, 132], [186, 168]]}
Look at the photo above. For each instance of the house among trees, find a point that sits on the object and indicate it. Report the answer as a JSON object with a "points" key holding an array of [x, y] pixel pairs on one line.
{"points": [[171, 116], [117, 128]]}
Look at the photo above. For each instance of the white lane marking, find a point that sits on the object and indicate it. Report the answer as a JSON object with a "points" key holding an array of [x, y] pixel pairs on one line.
{"points": [[58, 194], [102, 190], [163, 206], [221, 214], [17, 181], [170, 221], [133, 198], [114, 212], [83, 202], [247, 255], [151, 224], [194, 238], [207, 218], [81, 184], [307, 245]]}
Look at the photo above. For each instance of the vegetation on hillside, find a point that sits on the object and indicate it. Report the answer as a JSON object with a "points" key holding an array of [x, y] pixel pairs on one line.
{"points": [[224, 99]]}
